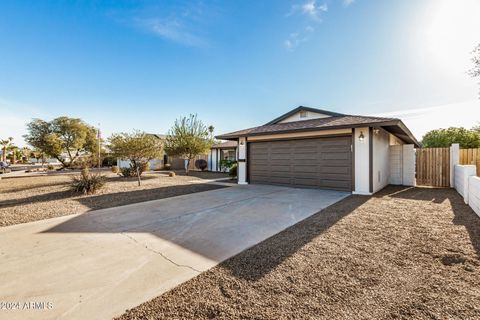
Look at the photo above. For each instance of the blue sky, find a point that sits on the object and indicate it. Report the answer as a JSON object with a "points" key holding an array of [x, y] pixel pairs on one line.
{"points": [[139, 65]]}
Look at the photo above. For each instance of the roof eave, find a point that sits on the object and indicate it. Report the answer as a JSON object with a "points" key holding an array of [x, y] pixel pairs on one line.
{"points": [[410, 137], [303, 108]]}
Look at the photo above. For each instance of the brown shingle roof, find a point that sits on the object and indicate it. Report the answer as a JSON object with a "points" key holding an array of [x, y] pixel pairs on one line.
{"points": [[334, 122]]}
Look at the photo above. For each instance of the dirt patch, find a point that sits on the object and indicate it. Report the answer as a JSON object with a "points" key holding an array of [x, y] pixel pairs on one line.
{"points": [[402, 254], [40, 197]]}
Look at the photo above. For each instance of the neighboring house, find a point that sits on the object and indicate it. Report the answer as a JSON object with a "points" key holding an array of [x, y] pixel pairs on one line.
{"points": [[221, 151], [176, 163], [309, 147]]}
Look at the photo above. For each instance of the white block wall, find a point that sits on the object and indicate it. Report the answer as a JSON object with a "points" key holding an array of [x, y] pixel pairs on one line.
{"points": [[474, 194], [462, 175]]}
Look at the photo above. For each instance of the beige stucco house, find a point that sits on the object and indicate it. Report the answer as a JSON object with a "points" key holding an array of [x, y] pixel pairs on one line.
{"points": [[309, 147]]}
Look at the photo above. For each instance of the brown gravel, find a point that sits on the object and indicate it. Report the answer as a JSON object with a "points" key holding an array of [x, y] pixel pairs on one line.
{"points": [[402, 254], [41, 197]]}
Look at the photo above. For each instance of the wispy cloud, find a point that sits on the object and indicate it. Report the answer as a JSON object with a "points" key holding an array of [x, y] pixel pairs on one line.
{"points": [[346, 3], [172, 29], [183, 22], [310, 13]]}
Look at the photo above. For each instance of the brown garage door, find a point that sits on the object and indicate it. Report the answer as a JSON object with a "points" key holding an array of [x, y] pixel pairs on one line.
{"points": [[320, 162]]}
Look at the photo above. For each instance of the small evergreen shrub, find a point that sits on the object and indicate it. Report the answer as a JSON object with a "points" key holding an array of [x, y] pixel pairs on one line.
{"points": [[88, 183], [115, 169], [171, 174], [233, 171]]}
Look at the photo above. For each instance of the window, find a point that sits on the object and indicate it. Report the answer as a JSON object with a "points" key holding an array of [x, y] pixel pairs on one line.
{"points": [[303, 114]]}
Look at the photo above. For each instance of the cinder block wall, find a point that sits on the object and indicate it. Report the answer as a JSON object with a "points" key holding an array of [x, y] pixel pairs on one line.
{"points": [[396, 164]]}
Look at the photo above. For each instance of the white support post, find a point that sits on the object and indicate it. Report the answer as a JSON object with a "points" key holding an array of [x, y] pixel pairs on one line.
{"points": [[454, 160], [242, 161]]}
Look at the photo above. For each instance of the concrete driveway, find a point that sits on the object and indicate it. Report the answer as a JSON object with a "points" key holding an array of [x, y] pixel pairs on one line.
{"points": [[98, 264]]}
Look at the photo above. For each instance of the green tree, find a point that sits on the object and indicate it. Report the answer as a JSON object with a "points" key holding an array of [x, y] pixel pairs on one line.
{"points": [[5, 144], [138, 147], [443, 138], [62, 135], [187, 138]]}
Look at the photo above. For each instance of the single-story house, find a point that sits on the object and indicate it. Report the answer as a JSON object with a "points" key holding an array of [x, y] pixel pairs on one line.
{"points": [[175, 163], [221, 151], [309, 147]]}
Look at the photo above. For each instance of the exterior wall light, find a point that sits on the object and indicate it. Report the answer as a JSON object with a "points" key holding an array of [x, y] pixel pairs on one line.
{"points": [[376, 130], [361, 137], [242, 142]]}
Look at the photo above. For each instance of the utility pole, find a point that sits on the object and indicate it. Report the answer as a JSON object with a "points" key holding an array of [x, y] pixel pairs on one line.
{"points": [[99, 138]]}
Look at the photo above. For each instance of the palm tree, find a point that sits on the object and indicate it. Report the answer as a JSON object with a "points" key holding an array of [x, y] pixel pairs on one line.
{"points": [[210, 130], [5, 144]]}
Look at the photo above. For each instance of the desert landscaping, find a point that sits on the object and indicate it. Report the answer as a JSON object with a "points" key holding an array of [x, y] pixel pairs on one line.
{"points": [[37, 197], [404, 253]]}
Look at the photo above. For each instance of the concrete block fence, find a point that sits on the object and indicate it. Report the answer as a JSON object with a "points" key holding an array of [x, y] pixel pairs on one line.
{"points": [[467, 185]]}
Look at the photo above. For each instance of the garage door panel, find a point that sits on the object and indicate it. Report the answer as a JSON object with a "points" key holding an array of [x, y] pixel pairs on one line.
{"points": [[335, 170], [319, 162], [335, 184], [305, 182], [305, 169]]}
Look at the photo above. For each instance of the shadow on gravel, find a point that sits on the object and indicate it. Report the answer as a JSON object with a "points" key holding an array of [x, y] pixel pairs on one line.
{"points": [[463, 214], [103, 201], [256, 262]]}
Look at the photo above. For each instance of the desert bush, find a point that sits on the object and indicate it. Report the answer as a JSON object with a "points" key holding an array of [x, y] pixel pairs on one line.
{"points": [[233, 171], [131, 171], [88, 183], [127, 172], [50, 167], [115, 169], [201, 164], [171, 174]]}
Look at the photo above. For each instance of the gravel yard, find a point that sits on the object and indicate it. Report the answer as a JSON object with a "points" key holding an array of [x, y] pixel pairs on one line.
{"points": [[401, 254], [46, 196]]}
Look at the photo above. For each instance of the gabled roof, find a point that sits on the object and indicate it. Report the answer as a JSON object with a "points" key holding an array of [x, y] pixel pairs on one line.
{"points": [[335, 121], [303, 108]]}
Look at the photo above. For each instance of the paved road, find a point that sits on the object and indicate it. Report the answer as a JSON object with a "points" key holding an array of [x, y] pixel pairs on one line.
{"points": [[98, 264]]}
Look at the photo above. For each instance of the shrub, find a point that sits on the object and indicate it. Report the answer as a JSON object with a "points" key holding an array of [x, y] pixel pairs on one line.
{"points": [[171, 174], [115, 169], [131, 171], [127, 172], [225, 165], [201, 164], [233, 171], [88, 183], [50, 167]]}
